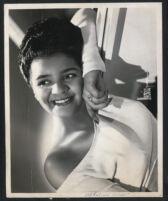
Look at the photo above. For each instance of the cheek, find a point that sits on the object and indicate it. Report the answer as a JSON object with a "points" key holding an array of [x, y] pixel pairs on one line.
{"points": [[41, 95], [79, 87]]}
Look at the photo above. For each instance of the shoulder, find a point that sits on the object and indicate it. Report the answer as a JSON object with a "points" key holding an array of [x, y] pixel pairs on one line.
{"points": [[133, 114], [59, 164], [122, 108], [54, 168], [126, 104], [50, 166]]}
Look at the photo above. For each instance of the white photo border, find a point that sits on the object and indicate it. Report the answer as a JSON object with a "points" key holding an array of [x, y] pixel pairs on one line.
{"points": [[158, 7]]}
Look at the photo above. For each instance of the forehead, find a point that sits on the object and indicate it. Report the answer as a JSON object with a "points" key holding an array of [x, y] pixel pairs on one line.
{"points": [[56, 63]]}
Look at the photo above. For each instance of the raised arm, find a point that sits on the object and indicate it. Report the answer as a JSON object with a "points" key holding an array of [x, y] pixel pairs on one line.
{"points": [[94, 93]]}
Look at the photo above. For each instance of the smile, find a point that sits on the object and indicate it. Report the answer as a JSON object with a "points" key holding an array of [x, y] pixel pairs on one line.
{"points": [[62, 102]]}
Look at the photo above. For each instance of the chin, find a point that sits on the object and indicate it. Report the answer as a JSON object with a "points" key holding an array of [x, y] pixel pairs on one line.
{"points": [[64, 112]]}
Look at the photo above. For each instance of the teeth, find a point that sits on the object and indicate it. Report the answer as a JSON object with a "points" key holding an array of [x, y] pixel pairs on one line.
{"points": [[61, 101]]}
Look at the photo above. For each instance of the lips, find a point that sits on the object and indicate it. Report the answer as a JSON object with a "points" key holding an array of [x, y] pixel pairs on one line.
{"points": [[63, 101]]}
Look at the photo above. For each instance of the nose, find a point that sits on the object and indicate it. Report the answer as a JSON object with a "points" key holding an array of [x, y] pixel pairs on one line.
{"points": [[59, 88]]}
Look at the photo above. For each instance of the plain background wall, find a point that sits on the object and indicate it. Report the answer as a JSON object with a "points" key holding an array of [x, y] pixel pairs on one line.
{"points": [[31, 125]]}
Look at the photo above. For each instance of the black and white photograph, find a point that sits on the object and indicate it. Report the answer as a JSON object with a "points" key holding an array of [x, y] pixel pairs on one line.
{"points": [[83, 100]]}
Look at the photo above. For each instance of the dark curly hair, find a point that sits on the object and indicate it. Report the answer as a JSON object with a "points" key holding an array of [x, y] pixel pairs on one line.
{"points": [[47, 37]]}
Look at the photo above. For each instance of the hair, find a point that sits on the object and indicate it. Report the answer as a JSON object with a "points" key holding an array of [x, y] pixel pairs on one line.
{"points": [[48, 37]]}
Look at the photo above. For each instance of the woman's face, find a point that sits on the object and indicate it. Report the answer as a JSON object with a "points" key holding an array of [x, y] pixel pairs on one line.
{"points": [[57, 84]]}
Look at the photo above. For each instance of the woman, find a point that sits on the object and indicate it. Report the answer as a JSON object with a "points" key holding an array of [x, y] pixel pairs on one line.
{"points": [[111, 154]]}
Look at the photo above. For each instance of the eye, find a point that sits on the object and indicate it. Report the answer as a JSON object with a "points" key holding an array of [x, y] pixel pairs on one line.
{"points": [[44, 83], [69, 76]]}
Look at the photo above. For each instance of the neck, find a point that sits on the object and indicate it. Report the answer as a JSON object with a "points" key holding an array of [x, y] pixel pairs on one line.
{"points": [[80, 121]]}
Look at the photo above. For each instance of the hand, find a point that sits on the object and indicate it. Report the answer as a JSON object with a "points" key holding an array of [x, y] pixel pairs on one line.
{"points": [[95, 93]]}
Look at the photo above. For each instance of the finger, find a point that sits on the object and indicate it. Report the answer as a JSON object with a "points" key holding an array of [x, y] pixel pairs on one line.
{"points": [[101, 96], [100, 84], [92, 113], [94, 100], [86, 95], [94, 91], [95, 104], [98, 101], [100, 106]]}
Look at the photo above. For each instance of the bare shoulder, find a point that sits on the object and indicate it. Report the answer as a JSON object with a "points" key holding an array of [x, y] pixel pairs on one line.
{"points": [[54, 167], [59, 164], [50, 166]]}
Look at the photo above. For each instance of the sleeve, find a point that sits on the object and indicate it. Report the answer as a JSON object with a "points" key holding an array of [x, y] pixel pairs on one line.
{"points": [[86, 20]]}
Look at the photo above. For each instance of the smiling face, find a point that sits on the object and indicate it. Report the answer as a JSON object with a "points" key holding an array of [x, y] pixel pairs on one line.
{"points": [[57, 84]]}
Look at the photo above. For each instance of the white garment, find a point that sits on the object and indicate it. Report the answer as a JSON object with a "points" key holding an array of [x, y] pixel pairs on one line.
{"points": [[86, 20], [123, 153]]}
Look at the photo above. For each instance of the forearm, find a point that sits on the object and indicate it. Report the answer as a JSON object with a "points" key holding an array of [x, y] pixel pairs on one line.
{"points": [[86, 20]]}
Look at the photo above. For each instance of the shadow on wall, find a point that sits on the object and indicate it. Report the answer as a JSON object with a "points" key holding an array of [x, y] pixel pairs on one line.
{"points": [[121, 77], [127, 73]]}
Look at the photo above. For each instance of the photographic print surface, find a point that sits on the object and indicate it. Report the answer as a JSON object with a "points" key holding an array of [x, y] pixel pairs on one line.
{"points": [[47, 154]]}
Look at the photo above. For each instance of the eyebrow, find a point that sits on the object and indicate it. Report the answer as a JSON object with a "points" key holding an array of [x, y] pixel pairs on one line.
{"points": [[42, 76], [69, 69], [63, 71]]}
